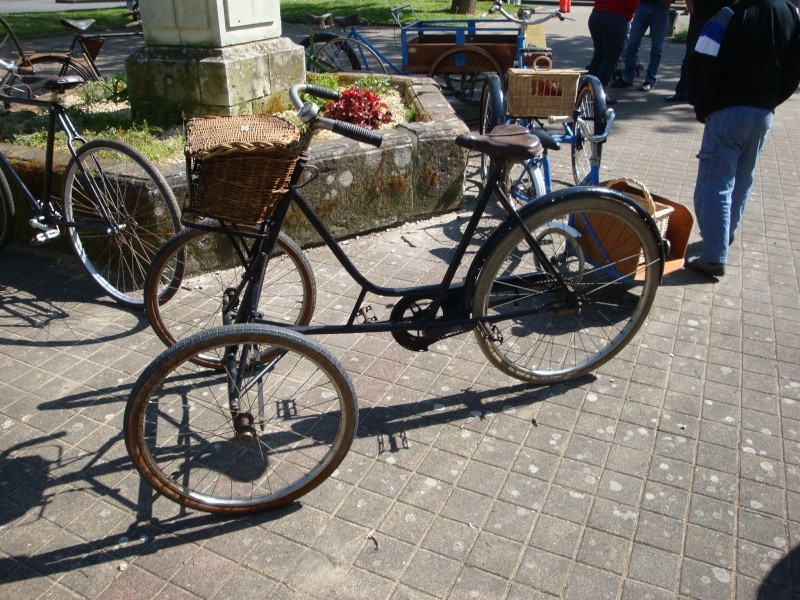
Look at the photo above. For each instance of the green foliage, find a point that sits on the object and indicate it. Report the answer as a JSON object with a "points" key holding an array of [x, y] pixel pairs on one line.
{"points": [[375, 12], [40, 23], [681, 35], [106, 89], [375, 83]]}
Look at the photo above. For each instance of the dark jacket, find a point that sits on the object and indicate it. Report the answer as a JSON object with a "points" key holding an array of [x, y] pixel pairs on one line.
{"points": [[748, 54]]}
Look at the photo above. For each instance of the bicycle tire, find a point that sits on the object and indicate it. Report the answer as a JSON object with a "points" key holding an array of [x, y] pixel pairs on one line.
{"points": [[590, 105], [139, 202], [346, 54], [493, 113], [312, 44], [557, 341], [461, 71], [195, 271], [6, 212], [299, 417]]}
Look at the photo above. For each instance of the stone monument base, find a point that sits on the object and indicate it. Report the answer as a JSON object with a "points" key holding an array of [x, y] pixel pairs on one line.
{"points": [[168, 84]]}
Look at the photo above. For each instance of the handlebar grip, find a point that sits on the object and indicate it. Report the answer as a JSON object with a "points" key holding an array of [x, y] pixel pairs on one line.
{"points": [[358, 133], [321, 92], [316, 90]]}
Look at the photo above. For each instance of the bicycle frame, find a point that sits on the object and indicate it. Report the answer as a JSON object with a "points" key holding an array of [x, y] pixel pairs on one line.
{"points": [[452, 299], [46, 214], [89, 54], [570, 136]]}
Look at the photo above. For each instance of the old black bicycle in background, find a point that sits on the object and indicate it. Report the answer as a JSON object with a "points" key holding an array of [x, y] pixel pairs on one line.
{"points": [[116, 208]]}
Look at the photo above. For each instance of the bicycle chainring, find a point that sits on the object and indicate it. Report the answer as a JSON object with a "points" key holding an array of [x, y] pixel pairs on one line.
{"points": [[412, 310]]}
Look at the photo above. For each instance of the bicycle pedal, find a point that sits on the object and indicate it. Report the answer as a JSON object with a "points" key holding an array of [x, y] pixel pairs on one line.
{"points": [[367, 314], [45, 236], [490, 332]]}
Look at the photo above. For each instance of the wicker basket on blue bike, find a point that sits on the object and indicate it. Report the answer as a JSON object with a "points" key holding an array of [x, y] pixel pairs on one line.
{"points": [[239, 166]]}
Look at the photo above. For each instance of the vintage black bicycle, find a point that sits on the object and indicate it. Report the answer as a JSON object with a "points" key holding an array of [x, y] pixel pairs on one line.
{"points": [[254, 413], [116, 207]]}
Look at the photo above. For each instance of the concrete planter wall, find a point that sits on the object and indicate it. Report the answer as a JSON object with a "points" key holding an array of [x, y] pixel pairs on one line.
{"points": [[418, 171]]}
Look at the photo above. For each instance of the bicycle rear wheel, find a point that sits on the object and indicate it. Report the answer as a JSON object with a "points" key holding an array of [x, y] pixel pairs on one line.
{"points": [[538, 334], [294, 423], [6, 212], [123, 210], [198, 277], [590, 106], [345, 54]]}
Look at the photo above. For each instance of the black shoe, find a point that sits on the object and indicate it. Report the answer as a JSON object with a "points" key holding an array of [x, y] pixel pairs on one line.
{"points": [[709, 269], [619, 83], [676, 98], [610, 100], [730, 241]]}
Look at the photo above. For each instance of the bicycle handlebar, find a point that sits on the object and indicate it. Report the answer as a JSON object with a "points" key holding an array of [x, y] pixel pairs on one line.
{"points": [[309, 114], [498, 7], [581, 124]]}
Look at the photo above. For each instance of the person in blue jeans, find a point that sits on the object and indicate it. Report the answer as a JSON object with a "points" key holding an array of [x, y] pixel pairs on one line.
{"points": [[652, 14], [746, 63]]}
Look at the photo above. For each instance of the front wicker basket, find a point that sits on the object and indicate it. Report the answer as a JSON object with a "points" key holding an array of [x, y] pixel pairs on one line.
{"points": [[542, 93], [239, 166]]}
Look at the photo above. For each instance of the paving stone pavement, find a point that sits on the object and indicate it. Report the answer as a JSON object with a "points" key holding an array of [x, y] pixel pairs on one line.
{"points": [[671, 472]]}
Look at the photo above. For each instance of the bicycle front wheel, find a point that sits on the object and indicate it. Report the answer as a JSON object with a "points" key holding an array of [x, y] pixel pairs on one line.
{"points": [[493, 113], [537, 330], [213, 278], [121, 210], [251, 437], [590, 106], [6, 212]]}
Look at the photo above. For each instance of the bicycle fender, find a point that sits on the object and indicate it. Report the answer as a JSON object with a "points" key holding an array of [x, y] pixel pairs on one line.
{"points": [[539, 204]]}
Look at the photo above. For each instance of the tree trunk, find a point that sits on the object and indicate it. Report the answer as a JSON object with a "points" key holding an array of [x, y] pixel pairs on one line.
{"points": [[463, 7]]}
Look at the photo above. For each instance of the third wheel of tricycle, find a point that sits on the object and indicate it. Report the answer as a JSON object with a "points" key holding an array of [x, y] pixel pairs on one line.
{"points": [[461, 72], [591, 107]]}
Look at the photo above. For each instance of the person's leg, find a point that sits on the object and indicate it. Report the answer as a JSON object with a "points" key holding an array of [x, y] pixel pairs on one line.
{"points": [[615, 29], [727, 134], [639, 25], [715, 178], [761, 122], [692, 35], [659, 19], [596, 31]]}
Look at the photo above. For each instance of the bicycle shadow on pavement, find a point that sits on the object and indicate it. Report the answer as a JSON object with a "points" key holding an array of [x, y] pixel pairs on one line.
{"points": [[463, 405], [27, 465], [42, 290]]}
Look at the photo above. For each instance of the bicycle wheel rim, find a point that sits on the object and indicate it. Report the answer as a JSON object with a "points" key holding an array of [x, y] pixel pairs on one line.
{"points": [[179, 430], [557, 341], [586, 156], [212, 277], [142, 210]]}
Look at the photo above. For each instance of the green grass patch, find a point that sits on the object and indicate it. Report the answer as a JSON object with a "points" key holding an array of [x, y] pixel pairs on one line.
{"points": [[97, 112], [42, 23], [681, 35], [375, 12]]}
